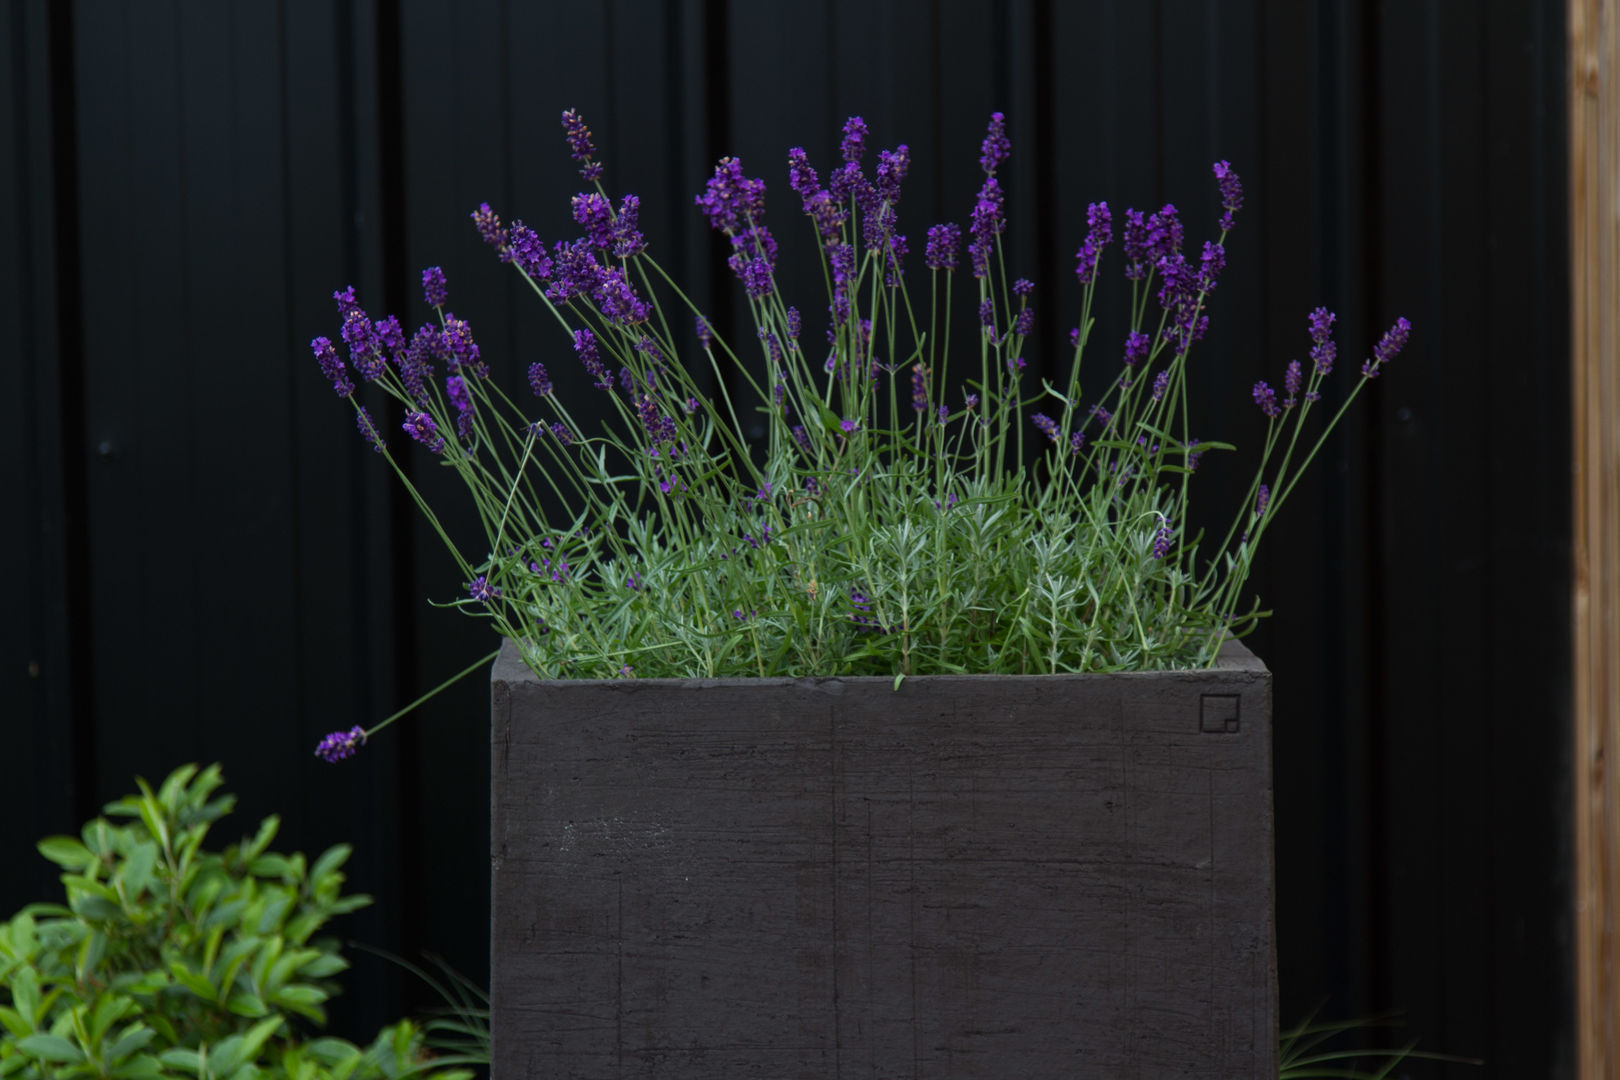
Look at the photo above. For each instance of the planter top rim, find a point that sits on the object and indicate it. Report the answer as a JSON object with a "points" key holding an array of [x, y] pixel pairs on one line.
{"points": [[1235, 659]]}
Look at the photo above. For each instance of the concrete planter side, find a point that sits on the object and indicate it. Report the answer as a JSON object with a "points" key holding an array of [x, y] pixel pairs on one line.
{"points": [[1010, 876]]}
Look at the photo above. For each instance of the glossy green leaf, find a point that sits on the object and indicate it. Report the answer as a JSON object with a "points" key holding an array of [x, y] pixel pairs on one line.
{"points": [[246, 1004], [327, 965], [144, 1067], [192, 981], [261, 840], [66, 852], [331, 859], [50, 1048], [135, 1037], [136, 872], [182, 1058]]}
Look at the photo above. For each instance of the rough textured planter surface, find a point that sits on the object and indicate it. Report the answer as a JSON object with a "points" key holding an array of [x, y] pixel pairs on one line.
{"points": [[1031, 877]]}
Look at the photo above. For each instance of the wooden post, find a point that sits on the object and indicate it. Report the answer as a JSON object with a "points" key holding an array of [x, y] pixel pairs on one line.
{"points": [[1594, 29]]}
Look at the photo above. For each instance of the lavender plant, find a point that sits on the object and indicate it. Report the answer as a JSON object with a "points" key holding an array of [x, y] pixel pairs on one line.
{"points": [[887, 523]]}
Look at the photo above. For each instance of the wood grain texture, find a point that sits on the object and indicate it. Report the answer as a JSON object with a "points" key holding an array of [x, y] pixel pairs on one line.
{"points": [[1595, 271], [974, 877]]}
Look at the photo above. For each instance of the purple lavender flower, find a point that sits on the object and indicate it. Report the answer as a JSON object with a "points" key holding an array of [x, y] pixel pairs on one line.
{"points": [[481, 590], [1293, 378], [794, 325], [801, 438], [988, 223], [579, 145], [456, 388], [1393, 341], [365, 349], [585, 349], [1262, 499], [849, 426], [493, 232], [1161, 383], [943, 242], [1102, 415], [943, 414], [970, 402], [332, 366], [1077, 441], [1210, 265], [463, 351], [1323, 350], [627, 239], [529, 252], [434, 289], [561, 433], [1138, 249], [1024, 323], [757, 279], [1047, 425], [801, 175], [415, 372], [853, 146], [1161, 539], [617, 299], [574, 271], [891, 172], [1231, 193], [996, 146], [539, 381], [362, 420], [344, 298], [1101, 225], [987, 316], [420, 426], [1266, 398], [705, 333], [341, 744], [1015, 366], [594, 214], [1136, 347], [731, 201], [919, 387]]}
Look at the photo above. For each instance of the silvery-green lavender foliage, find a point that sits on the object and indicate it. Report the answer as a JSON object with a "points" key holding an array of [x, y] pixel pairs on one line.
{"points": [[172, 961], [887, 523]]}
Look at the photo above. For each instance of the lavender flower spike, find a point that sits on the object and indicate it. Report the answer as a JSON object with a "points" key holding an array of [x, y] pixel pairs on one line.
{"points": [[1393, 341], [420, 426], [434, 290], [1231, 193], [341, 744], [332, 366], [579, 145], [996, 145]]}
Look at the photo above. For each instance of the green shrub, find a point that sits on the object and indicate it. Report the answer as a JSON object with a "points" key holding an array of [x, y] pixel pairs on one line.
{"points": [[173, 961]]}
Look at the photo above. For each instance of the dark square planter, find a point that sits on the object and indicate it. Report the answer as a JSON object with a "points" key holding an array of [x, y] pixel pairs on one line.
{"points": [[1021, 877]]}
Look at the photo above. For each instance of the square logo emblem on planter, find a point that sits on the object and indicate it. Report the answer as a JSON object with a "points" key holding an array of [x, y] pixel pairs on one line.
{"points": [[1218, 714]]}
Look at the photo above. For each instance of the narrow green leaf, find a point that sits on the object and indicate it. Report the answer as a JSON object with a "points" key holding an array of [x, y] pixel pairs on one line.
{"points": [[135, 1037], [13, 1022], [181, 1058], [144, 1067], [257, 1036], [326, 966], [136, 872], [66, 852], [332, 858], [330, 1051], [266, 833], [272, 866], [50, 1048], [174, 786], [246, 1004], [192, 981]]}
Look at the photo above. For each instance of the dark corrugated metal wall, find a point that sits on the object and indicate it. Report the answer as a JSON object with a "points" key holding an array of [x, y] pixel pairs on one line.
{"points": [[209, 565]]}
